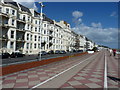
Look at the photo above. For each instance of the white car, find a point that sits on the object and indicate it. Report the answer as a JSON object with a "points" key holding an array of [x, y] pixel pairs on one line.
{"points": [[90, 52], [117, 52]]}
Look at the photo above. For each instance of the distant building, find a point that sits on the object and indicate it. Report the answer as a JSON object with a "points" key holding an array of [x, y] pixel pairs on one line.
{"points": [[82, 42], [89, 44]]}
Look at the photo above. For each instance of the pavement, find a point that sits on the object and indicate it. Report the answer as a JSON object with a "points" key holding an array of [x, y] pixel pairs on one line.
{"points": [[86, 71]]}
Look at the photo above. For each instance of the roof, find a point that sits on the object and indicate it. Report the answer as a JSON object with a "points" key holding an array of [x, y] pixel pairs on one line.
{"points": [[12, 3], [65, 23], [58, 26], [47, 19], [36, 14], [25, 9], [86, 39]]}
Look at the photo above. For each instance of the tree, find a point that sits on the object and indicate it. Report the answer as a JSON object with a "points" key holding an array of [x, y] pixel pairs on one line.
{"points": [[94, 49]]}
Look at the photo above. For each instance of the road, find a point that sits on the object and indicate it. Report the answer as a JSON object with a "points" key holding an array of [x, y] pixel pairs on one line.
{"points": [[98, 70], [30, 58]]}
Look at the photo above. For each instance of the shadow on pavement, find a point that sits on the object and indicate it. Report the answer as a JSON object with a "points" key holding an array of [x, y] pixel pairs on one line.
{"points": [[114, 79]]}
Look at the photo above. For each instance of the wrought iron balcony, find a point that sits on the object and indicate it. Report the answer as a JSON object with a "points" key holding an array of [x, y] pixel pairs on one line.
{"points": [[43, 43], [50, 44], [20, 40], [50, 32], [50, 37], [5, 25], [4, 37], [20, 20], [5, 15]]}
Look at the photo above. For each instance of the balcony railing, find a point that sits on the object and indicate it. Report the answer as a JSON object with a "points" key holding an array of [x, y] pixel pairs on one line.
{"points": [[50, 37], [5, 15], [21, 28], [50, 32], [21, 20], [20, 40], [5, 25], [43, 43], [50, 44], [4, 37]]}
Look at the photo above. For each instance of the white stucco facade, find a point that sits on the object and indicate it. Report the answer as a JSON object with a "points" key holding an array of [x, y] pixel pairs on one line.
{"points": [[22, 31]]}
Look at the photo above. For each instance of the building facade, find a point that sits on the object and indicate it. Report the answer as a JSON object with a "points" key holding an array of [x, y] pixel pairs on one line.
{"points": [[82, 42], [23, 30]]}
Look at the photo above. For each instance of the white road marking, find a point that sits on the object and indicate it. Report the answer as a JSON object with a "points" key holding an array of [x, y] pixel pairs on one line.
{"points": [[105, 74], [59, 74]]}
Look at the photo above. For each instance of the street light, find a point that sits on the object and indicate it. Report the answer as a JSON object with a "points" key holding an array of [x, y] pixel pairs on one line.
{"points": [[41, 19]]}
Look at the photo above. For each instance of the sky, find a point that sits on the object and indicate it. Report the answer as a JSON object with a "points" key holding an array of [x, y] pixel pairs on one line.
{"points": [[92, 12], [96, 20]]}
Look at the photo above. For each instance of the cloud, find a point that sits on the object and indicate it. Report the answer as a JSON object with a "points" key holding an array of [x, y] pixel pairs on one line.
{"points": [[113, 14], [28, 3], [35, 7], [80, 20], [77, 17], [96, 25], [77, 14], [95, 32], [106, 36]]}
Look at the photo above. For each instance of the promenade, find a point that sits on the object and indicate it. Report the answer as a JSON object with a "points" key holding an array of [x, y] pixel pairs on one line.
{"points": [[98, 70]]}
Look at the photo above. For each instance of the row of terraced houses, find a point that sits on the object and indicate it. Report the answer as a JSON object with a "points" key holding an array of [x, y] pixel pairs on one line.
{"points": [[20, 30]]}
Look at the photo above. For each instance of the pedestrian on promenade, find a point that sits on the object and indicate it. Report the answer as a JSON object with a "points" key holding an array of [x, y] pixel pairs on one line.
{"points": [[110, 52], [114, 52]]}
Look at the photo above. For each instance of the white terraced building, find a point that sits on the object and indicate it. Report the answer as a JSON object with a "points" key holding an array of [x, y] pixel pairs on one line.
{"points": [[21, 31], [82, 42], [89, 44]]}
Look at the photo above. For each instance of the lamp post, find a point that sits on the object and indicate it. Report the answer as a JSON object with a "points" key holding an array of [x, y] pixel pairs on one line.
{"points": [[41, 20]]}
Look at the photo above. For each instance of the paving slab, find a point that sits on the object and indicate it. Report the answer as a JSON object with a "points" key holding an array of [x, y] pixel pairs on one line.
{"points": [[27, 79]]}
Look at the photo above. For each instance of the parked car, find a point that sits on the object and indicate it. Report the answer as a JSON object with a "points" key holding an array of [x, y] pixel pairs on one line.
{"points": [[4, 55], [57, 52], [72, 51], [118, 52], [62, 52], [90, 51], [42, 53], [51, 52], [79, 50], [17, 54]]}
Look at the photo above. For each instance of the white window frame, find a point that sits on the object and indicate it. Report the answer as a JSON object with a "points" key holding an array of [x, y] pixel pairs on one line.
{"points": [[13, 13], [7, 10], [12, 34], [13, 22], [45, 25], [35, 45], [35, 37], [11, 44], [27, 36], [27, 46]]}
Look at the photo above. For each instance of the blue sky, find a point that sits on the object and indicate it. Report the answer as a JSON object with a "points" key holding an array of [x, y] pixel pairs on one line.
{"points": [[96, 20], [101, 14], [92, 12]]}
